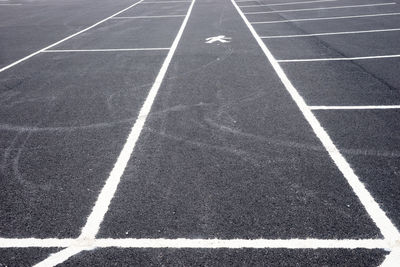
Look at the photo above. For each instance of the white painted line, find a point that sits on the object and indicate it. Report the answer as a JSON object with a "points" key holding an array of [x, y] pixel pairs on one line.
{"points": [[150, 17], [106, 50], [336, 58], [354, 107], [66, 38], [36, 242], [294, 243], [392, 260], [166, 2], [94, 220], [240, 243], [325, 18], [317, 8], [59, 257], [388, 230], [291, 3], [1, 4], [92, 226], [327, 33]]}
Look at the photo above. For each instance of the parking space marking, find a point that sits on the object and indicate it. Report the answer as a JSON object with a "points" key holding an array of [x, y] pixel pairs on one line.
{"points": [[87, 238], [336, 58], [107, 50], [354, 107], [59, 257], [388, 230], [96, 217], [294, 243], [325, 18], [94, 220], [317, 8], [67, 38], [327, 33], [392, 259], [150, 17], [291, 3]]}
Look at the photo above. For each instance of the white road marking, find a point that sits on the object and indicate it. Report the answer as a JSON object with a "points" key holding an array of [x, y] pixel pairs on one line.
{"points": [[317, 8], [392, 260], [291, 3], [219, 38], [92, 226], [354, 107], [106, 50], [150, 17], [327, 33], [36, 242], [59, 257], [1, 4], [293, 243], [388, 230], [336, 58], [66, 38], [326, 18], [94, 220]]}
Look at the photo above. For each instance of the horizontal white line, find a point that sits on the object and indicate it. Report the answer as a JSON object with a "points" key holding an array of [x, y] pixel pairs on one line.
{"points": [[197, 243], [36, 242], [1, 4], [354, 107], [388, 230], [291, 3], [105, 50], [66, 38], [327, 33], [241, 243], [336, 59], [325, 18], [317, 8], [164, 2], [150, 17]]}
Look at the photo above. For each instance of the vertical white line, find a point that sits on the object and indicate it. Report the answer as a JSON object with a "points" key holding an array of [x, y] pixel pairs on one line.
{"points": [[107, 193], [384, 224], [66, 38]]}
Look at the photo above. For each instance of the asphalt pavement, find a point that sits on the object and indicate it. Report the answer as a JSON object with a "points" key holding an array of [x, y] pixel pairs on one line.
{"points": [[200, 133]]}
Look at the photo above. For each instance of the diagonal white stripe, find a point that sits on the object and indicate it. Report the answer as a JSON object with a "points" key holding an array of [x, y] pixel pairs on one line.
{"points": [[388, 230]]}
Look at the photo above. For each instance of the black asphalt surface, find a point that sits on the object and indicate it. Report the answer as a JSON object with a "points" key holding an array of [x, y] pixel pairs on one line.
{"points": [[36, 24], [225, 152], [225, 257]]}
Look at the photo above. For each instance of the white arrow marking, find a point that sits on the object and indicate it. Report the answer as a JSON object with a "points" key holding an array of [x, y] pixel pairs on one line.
{"points": [[219, 38]]}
